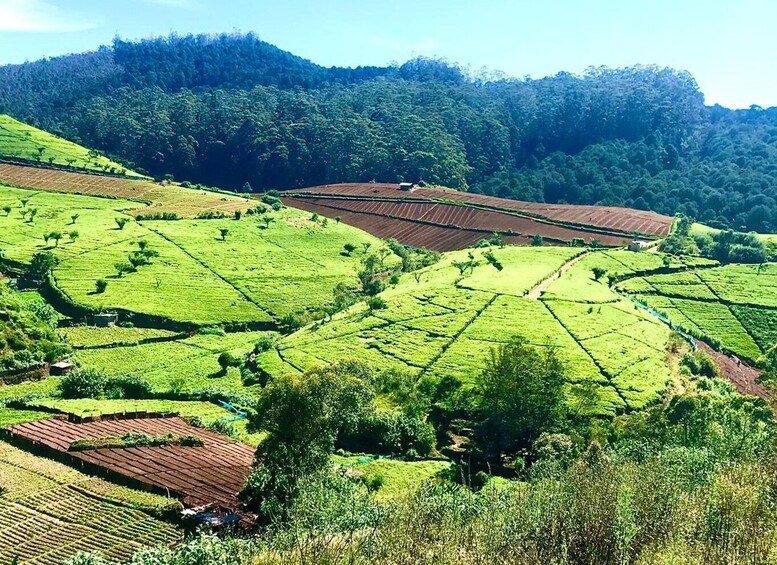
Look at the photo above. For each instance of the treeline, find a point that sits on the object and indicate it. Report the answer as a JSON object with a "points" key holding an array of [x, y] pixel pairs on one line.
{"points": [[228, 110]]}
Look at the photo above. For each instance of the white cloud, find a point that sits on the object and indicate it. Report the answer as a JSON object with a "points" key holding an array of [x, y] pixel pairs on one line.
{"points": [[38, 15]]}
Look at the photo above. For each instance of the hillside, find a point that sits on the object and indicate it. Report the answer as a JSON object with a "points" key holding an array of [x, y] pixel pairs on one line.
{"points": [[342, 359], [26, 143], [445, 220], [231, 110]]}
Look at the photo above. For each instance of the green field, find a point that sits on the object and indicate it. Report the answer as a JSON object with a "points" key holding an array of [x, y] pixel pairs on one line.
{"points": [[91, 337], [291, 265], [735, 306], [185, 365], [445, 323], [21, 141], [49, 511], [256, 274]]}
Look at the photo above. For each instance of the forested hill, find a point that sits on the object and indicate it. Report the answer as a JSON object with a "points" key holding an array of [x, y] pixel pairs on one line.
{"points": [[231, 110]]}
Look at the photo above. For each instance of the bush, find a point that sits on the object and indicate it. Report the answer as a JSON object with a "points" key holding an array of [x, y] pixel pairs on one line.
{"points": [[701, 364], [100, 285], [128, 386], [376, 303], [227, 360], [264, 343], [373, 482], [84, 558], [290, 323], [83, 383]]}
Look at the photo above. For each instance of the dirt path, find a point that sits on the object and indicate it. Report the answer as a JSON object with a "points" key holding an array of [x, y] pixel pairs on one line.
{"points": [[741, 375], [537, 291]]}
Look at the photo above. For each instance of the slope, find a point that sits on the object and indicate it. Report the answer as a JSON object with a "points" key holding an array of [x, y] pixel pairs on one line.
{"points": [[441, 323], [26, 143]]}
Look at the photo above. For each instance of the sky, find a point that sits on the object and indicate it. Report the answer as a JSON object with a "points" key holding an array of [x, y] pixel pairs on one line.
{"points": [[728, 45]]}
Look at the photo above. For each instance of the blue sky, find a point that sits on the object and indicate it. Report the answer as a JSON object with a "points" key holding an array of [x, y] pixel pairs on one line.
{"points": [[728, 45]]}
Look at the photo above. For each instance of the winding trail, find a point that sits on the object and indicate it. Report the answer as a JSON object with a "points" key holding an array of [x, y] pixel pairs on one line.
{"points": [[543, 285]]}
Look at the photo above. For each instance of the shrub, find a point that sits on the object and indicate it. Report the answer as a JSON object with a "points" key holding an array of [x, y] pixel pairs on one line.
{"points": [[83, 383], [100, 285], [290, 323], [128, 386], [349, 248], [227, 360], [86, 558], [373, 482], [376, 303], [264, 343]]}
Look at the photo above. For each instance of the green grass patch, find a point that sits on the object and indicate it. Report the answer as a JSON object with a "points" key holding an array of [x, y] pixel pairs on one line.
{"points": [[20, 141], [291, 265], [85, 336]]}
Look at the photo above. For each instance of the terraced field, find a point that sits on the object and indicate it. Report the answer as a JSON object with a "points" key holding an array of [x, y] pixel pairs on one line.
{"points": [[49, 511], [154, 198], [20, 141], [734, 306], [444, 324], [186, 365], [445, 220], [256, 274], [292, 262], [212, 472]]}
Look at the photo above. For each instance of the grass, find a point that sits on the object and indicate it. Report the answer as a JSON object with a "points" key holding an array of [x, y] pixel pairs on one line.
{"points": [[49, 511], [445, 324], [21, 141], [291, 265], [400, 478], [85, 336]]}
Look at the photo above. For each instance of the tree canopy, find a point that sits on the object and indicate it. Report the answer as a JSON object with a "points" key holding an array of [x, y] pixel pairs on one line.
{"points": [[234, 111]]}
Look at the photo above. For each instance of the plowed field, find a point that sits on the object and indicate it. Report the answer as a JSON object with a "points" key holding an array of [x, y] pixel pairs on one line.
{"points": [[213, 473], [185, 202]]}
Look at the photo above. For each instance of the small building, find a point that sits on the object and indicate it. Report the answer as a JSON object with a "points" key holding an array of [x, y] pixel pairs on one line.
{"points": [[60, 368], [639, 245], [407, 186], [106, 319]]}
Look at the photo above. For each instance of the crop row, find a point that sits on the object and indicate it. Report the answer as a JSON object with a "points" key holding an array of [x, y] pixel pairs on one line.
{"points": [[184, 202], [451, 216], [623, 220]]}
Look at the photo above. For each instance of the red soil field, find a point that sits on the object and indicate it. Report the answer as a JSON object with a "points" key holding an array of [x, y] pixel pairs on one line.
{"points": [[213, 473], [451, 217], [436, 238], [618, 221], [187, 203], [741, 375]]}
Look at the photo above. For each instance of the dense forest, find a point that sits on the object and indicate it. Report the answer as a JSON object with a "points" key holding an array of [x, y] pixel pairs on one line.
{"points": [[229, 110]]}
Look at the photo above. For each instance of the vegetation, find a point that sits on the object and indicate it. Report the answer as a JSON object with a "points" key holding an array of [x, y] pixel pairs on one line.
{"points": [[52, 502], [731, 306], [27, 337], [24, 142], [135, 440], [411, 406], [642, 137]]}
